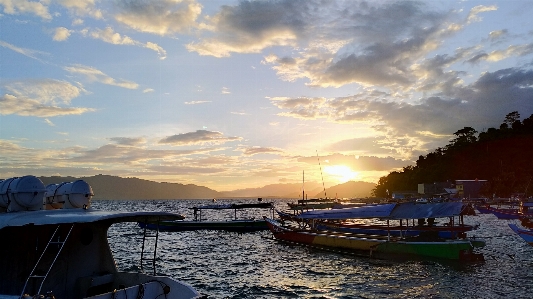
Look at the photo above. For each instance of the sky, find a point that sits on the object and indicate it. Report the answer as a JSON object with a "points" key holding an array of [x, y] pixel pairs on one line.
{"points": [[242, 94]]}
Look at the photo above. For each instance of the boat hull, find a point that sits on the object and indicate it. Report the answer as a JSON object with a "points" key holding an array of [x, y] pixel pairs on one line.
{"points": [[499, 213], [527, 235]]}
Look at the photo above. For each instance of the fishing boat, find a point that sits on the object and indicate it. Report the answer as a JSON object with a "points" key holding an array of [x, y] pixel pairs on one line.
{"points": [[235, 224], [65, 253], [427, 244], [527, 235], [523, 210]]}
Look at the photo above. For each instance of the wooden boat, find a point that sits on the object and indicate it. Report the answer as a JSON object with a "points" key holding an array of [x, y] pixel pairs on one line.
{"points": [[375, 245], [527, 235], [65, 253], [426, 244], [523, 210], [235, 224]]}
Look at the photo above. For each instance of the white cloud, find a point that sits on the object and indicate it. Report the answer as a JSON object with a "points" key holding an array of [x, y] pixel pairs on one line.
{"points": [[93, 74], [108, 35], [82, 8], [196, 102], [41, 98], [61, 34], [15, 7], [161, 17], [26, 52]]}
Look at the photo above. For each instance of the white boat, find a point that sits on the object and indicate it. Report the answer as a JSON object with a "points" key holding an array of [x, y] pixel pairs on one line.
{"points": [[64, 253]]}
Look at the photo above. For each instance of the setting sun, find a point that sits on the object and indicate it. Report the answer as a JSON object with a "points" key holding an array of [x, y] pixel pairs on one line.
{"points": [[341, 173]]}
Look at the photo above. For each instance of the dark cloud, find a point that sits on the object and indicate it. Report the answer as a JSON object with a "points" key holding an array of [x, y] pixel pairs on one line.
{"points": [[198, 137], [127, 140], [250, 151]]}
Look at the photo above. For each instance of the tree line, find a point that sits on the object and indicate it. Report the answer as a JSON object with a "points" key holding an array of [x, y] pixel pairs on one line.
{"points": [[503, 156]]}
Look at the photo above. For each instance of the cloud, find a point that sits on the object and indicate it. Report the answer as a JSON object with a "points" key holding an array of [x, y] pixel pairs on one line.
{"points": [[148, 90], [61, 34], [128, 141], [48, 122], [252, 26], [15, 7], [473, 16], [250, 151], [26, 52], [41, 98], [198, 137], [93, 74], [28, 107], [108, 35], [225, 90], [161, 17], [430, 121], [196, 102], [82, 8]]}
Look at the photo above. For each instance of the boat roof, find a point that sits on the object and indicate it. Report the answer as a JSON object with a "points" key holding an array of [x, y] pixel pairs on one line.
{"points": [[61, 216], [263, 205], [393, 211], [411, 210], [365, 211]]}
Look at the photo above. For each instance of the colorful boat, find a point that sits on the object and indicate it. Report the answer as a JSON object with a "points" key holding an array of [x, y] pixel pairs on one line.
{"points": [[235, 224], [426, 244], [527, 235], [375, 245], [65, 252]]}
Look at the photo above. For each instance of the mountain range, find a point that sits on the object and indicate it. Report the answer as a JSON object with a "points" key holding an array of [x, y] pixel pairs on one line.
{"points": [[114, 187]]}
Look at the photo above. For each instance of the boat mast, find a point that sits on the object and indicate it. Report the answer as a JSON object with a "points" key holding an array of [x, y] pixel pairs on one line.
{"points": [[321, 174], [303, 181]]}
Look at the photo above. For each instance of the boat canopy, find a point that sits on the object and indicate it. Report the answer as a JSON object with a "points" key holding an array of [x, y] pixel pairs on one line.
{"points": [[366, 211], [411, 210], [393, 211], [61, 216], [264, 205]]}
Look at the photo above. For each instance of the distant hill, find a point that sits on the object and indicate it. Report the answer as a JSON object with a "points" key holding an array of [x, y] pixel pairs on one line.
{"points": [[275, 190], [113, 187], [349, 189]]}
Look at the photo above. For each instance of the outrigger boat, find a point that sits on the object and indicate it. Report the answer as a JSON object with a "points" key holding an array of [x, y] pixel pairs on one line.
{"points": [[64, 253], [424, 245], [235, 224], [524, 209], [527, 235]]}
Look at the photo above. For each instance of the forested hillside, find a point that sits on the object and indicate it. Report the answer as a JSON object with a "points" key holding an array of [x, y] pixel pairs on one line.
{"points": [[503, 156]]}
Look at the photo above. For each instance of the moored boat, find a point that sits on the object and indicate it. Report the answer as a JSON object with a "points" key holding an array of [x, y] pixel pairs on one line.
{"points": [[527, 235], [234, 224], [65, 253], [376, 245], [427, 243]]}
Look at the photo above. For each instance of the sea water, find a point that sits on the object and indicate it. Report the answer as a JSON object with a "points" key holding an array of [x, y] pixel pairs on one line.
{"points": [[254, 265]]}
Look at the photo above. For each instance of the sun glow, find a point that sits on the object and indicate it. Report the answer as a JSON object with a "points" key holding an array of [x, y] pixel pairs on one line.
{"points": [[341, 173]]}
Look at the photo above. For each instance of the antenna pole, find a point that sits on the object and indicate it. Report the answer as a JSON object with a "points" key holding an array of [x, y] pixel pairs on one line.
{"points": [[303, 181], [321, 175]]}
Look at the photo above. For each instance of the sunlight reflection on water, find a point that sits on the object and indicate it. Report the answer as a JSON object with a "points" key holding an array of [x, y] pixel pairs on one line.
{"points": [[253, 265]]}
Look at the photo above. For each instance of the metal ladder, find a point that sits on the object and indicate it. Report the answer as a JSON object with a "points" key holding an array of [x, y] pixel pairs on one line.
{"points": [[148, 235], [50, 242]]}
